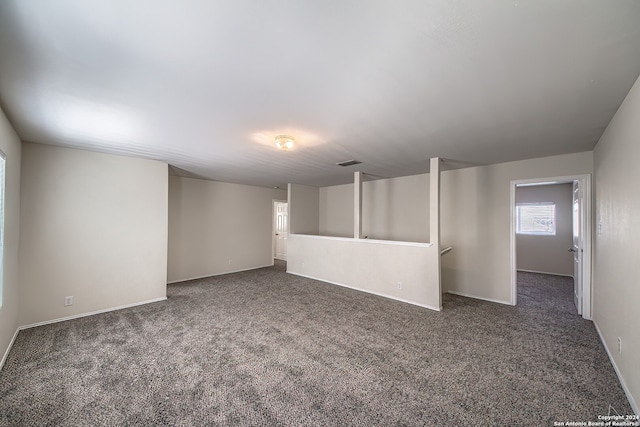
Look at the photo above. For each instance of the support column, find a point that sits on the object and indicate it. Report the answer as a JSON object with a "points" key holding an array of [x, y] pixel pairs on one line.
{"points": [[434, 211], [357, 205]]}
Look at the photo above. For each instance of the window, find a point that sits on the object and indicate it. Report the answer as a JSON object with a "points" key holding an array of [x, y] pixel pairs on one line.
{"points": [[536, 218], [2, 162]]}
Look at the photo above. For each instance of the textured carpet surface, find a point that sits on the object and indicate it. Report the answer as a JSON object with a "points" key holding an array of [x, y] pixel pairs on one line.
{"points": [[267, 348]]}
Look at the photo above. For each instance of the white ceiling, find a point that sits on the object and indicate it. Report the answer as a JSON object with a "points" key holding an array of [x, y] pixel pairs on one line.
{"points": [[206, 85]]}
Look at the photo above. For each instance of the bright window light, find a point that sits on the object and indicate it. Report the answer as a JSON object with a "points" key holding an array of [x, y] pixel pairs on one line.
{"points": [[536, 218]]}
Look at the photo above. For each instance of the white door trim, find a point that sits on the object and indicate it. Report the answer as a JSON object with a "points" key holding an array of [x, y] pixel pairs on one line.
{"points": [[273, 227], [585, 183]]}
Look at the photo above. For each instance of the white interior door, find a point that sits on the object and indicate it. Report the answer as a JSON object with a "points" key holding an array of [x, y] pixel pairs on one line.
{"points": [[281, 230], [577, 247]]}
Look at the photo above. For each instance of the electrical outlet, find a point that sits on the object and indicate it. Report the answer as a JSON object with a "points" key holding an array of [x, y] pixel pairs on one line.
{"points": [[619, 345], [68, 301], [599, 228], [399, 285], [229, 262]]}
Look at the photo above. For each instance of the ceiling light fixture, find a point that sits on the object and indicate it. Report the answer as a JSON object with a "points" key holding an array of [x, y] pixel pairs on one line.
{"points": [[285, 142]]}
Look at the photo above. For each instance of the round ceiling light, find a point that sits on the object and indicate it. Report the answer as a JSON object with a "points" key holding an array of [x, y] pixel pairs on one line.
{"points": [[285, 142]]}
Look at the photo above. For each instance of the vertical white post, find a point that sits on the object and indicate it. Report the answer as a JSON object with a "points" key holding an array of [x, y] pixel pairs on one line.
{"points": [[357, 205], [291, 230], [434, 212]]}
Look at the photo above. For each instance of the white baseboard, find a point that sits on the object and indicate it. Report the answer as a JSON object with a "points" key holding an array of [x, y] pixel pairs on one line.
{"points": [[6, 353], [544, 272], [77, 316], [632, 402], [462, 294], [220, 274], [367, 291]]}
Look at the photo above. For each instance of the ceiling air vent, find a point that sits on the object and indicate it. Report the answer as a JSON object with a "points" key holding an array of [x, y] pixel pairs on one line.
{"points": [[349, 163]]}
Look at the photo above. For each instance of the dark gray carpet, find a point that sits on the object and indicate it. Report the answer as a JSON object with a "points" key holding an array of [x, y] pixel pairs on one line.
{"points": [[266, 348]]}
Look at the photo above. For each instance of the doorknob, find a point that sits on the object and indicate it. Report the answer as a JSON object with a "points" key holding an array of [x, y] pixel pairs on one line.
{"points": [[572, 250]]}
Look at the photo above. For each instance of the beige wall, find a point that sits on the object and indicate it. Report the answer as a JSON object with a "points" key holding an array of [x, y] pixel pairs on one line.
{"points": [[217, 227], [476, 221], [617, 243], [548, 254], [304, 209], [336, 210], [94, 226], [392, 209], [396, 209], [9, 321]]}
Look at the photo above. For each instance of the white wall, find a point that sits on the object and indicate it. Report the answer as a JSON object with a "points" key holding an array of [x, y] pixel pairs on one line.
{"points": [[9, 321], [304, 209], [217, 227], [617, 245], [392, 209], [370, 266], [93, 226], [548, 254], [475, 219]]}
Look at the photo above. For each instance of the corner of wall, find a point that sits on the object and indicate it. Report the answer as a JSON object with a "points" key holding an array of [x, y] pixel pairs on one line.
{"points": [[11, 146], [92, 225], [615, 277]]}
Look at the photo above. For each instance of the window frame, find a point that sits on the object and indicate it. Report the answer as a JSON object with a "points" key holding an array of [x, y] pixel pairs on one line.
{"points": [[554, 217]]}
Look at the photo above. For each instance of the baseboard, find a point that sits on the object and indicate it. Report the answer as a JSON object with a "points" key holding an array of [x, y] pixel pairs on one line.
{"points": [[369, 292], [77, 316], [545, 272], [632, 402], [462, 294], [220, 274], [6, 353]]}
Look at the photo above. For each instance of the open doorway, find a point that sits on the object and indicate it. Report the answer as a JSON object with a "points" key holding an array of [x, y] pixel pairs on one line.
{"points": [[280, 229], [557, 231]]}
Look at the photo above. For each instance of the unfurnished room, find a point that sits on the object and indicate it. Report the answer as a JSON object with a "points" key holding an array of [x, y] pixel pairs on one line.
{"points": [[305, 213]]}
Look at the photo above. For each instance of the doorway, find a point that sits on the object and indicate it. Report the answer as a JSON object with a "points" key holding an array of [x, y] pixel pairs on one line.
{"points": [[280, 229], [543, 217]]}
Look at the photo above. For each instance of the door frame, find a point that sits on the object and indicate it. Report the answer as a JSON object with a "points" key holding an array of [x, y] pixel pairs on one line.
{"points": [[586, 230], [273, 227]]}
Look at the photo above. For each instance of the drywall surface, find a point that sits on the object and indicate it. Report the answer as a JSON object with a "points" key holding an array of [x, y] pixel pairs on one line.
{"points": [[617, 241], [400, 271], [304, 209], [548, 254], [336, 210], [392, 209], [94, 226], [217, 227], [11, 147], [475, 220], [397, 209]]}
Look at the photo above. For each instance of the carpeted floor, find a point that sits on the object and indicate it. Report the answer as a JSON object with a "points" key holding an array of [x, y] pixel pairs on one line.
{"points": [[266, 348]]}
